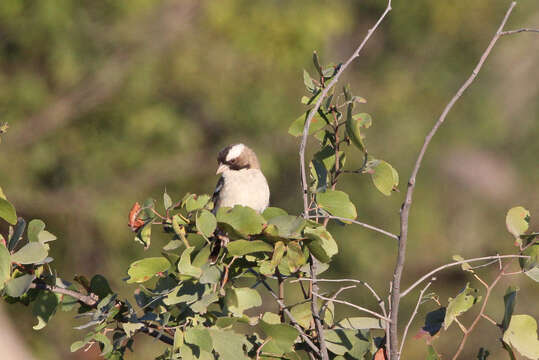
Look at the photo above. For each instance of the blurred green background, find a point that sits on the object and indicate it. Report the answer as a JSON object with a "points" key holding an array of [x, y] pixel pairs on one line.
{"points": [[111, 102]]}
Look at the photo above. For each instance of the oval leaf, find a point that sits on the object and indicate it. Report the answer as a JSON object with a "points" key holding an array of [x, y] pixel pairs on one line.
{"points": [[206, 223], [321, 244], [517, 221], [522, 335], [144, 269], [7, 211], [384, 176], [5, 266], [30, 253], [243, 247], [337, 203], [243, 219]]}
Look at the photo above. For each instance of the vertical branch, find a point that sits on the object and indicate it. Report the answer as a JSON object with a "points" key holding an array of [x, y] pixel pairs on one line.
{"points": [[304, 187], [405, 210]]}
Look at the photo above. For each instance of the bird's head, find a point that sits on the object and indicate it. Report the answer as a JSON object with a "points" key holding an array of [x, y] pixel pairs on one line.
{"points": [[236, 157]]}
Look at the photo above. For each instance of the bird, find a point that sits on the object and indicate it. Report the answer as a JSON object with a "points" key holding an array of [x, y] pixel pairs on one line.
{"points": [[242, 181]]}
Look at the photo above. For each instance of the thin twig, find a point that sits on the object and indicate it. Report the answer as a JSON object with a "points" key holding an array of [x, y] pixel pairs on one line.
{"points": [[287, 312], [324, 307], [314, 310], [360, 308], [365, 225], [261, 346], [511, 32], [323, 94], [361, 282], [440, 268], [414, 313], [405, 210], [481, 312]]}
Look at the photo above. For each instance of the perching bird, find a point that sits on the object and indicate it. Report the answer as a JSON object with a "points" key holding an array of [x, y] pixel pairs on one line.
{"points": [[242, 181]]}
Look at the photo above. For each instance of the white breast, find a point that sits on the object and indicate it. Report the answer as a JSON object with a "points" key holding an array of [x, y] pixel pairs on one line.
{"points": [[247, 187]]}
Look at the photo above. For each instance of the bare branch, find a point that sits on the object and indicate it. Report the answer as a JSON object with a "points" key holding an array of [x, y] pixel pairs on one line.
{"points": [[365, 225], [85, 299], [511, 32], [360, 308], [323, 308], [405, 210], [414, 313], [361, 282], [440, 268], [319, 102], [481, 312]]}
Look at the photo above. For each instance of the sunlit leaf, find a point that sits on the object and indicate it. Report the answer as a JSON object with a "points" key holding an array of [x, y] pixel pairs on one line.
{"points": [[384, 176], [18, 286], [238, 300], [200, 337], [295, 256], [460, 304], [244, 247], [184, 265], [517, 221], [206, 222], [361, 323], [530, 265], [317, 124], [7, 212], [144, 269], [30, 253], [321, 243], [5, 266], [242, 219], [522, 335], [282, 336], [337, 203], [196, 202]]}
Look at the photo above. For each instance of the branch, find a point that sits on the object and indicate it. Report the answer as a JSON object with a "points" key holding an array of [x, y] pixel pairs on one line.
{"points": [[438, 269], [511, 32], [158, 335], [413, 315], [360, 308], [481, 312], [405, 210], [365, 225], [90, 300], [361, 282], [314, 311], [287, 312], [319, 102]]}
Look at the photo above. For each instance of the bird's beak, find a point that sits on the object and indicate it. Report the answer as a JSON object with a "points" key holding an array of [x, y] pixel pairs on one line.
{"points": [[222, 168]]}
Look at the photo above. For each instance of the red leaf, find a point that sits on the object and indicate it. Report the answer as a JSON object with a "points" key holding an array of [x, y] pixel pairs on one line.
{"points": [[380, 354], [134, 222]]}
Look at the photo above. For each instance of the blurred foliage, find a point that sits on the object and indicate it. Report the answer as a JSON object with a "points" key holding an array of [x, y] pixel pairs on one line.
{"points": [[233, 73]]}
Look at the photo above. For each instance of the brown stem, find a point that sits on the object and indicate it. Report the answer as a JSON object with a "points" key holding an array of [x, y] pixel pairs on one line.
{"points": [[481, 312], [314, 310], [405, 210], [281, 295]]}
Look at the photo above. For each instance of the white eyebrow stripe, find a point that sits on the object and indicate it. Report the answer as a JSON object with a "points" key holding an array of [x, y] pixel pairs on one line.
{"points": [[235, 151]]}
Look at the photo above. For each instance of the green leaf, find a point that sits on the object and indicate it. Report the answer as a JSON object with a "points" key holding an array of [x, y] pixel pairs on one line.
{"points": [[131, 328], [184, 265], [206, 222], [30, 253], [244, 247], [361, 323], [340, 341], [431, 353], [288, 226], [167, 200], [238, 300], [517, 221], [144, 269], [272, 212], [196, 202], [228, 344], [200, 337], [44, 308], [531, 265], [7, 211], [34, 228], [107, 346], [321, 244], [384, 176], [17, 233], [327, 157], [317, 124], [509, 300], [308, 81], [5, 265], [242, 219], [316, 63], [337, 203], [302, 314], [18, 286], [460, 304], [522, 335], [483, 354], [282, 336], [144, 235], [295, 256], [364, 119], [353, 128], [100, 286], [464, 266]]}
